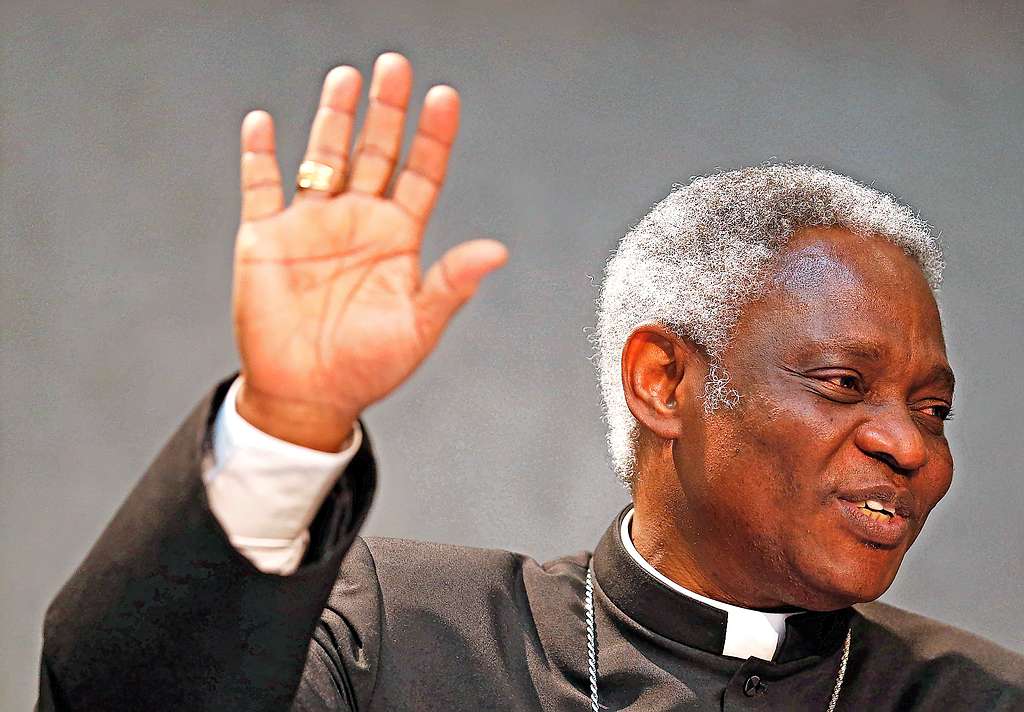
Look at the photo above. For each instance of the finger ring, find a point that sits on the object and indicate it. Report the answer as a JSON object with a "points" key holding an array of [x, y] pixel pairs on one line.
{"points": [[314, 175]]}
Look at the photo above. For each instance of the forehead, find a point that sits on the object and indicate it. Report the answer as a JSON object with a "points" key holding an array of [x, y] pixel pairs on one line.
{"points": [[832, 287]]}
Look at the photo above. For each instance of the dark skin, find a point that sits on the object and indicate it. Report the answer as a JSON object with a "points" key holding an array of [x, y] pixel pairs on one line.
{"points": [[332, 311], [845, 387]]}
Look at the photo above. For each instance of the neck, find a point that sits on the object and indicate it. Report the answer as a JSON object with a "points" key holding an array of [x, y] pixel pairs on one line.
{"points": [[663, 544]]}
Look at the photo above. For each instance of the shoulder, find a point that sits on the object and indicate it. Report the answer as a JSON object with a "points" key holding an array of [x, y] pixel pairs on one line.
{"points": [[928, 639], [493, 611], [943, 650], [444, 590], [409, 564]]}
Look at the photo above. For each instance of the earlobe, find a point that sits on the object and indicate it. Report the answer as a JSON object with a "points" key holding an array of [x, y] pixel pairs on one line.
{"points": [[653, 367]]}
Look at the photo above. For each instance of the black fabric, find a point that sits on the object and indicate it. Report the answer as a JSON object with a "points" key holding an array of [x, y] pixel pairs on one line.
{"points": [[165, 614], [690, 622]]}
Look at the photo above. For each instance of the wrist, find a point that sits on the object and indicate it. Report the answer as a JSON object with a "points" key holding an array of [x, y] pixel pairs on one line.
{"points": [[312, 425]]}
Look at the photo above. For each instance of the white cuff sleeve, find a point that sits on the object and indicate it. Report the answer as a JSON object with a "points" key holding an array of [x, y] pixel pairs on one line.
{"points": [[265, 491]]}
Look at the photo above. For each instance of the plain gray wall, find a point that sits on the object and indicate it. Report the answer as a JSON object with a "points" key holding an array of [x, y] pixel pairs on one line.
{"points": [[119, 168]]}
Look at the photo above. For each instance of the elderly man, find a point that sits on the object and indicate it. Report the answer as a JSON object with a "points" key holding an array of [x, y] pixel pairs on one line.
{"points": [[776, 385]]}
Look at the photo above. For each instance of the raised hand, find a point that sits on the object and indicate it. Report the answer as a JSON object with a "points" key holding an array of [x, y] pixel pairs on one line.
{"points": [[331, 312]]}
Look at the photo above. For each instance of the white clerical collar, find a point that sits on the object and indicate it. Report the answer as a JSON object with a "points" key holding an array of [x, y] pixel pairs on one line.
{"points": [[748, 633]]}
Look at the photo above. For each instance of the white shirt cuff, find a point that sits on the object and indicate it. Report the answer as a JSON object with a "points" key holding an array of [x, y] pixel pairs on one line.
{"points": [[265, 491]]}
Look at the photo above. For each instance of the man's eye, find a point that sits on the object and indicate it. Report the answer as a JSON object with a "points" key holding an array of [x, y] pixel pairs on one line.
{"points": [[943, 412], [847, 382]]}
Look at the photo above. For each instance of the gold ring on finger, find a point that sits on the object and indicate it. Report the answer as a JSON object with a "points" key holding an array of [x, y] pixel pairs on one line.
{"points": [[314, 175]]}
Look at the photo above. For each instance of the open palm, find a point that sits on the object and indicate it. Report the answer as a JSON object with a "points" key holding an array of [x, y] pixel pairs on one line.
{"points": [[331, 312]]}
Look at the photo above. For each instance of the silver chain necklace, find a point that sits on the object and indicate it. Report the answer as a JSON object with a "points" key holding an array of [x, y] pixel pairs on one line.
{"points": [[592, 652]]}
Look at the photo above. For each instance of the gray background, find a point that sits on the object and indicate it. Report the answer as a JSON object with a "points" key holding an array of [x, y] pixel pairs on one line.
{"points": [[119, 155]]}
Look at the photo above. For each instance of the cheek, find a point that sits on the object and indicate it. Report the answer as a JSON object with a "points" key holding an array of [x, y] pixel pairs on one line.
{"points": [[937, 477], [793, 441]]}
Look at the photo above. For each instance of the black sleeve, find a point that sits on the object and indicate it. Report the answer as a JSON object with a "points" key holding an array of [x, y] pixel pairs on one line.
{"points": [[345, 652], [164, 613]]}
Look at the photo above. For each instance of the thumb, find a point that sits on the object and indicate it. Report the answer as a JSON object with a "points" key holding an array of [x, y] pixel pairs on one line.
{"points": [[452, 280]]}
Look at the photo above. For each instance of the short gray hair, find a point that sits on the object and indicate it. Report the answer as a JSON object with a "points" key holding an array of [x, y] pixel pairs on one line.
{"points": [[703, 252]]}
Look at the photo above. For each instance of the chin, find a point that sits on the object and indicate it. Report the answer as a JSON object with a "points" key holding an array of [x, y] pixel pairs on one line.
{"points": [[842, 581]]}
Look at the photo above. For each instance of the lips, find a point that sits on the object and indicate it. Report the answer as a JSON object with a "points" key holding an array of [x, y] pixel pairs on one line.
{"points": [[878, 515]]}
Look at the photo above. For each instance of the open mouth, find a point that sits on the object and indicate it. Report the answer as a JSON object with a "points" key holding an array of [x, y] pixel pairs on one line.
{"points": [[875, 510], [883, 525]]}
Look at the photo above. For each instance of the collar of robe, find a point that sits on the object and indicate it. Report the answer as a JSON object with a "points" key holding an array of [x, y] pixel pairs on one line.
{"points": [[690, 622]]}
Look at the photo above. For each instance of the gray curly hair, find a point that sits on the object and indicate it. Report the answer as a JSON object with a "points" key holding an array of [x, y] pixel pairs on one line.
{"points": [[704, 251]]}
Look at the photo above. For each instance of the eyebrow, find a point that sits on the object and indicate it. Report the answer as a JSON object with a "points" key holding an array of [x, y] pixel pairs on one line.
{"points": [[865, 350], [939, 374]]}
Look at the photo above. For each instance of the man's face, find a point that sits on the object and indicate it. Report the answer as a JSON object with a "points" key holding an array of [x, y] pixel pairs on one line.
{"points": [[844, 386]]}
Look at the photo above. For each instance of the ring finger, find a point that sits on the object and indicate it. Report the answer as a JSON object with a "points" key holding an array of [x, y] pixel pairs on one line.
{"points": [[331, 132]]}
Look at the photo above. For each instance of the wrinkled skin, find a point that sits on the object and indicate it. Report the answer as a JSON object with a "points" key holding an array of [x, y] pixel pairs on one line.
{"points": [[844, 384], [332, 309]]}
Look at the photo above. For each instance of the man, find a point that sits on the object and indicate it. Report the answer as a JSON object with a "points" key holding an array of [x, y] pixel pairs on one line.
{"points": [[776, 385]]}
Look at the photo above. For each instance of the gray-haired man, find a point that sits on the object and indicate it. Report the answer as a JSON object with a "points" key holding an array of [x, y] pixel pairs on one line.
{"points": [[776, 385]]}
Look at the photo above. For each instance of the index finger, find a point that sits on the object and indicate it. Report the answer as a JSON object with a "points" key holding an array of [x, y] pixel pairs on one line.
{"points": [[422, 176]]}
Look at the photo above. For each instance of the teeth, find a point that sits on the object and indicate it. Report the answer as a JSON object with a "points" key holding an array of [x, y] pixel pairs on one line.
{"points": [[875, 510]]}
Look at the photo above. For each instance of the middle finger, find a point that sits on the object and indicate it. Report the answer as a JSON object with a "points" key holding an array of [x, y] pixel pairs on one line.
{"points": [[381, 136]]}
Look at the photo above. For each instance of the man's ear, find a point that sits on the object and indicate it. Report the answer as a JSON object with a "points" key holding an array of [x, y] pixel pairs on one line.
{"points": [[654, 362]]}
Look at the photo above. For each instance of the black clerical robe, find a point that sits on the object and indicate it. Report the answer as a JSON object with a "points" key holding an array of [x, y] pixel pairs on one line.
{"points": [[165, 614]]}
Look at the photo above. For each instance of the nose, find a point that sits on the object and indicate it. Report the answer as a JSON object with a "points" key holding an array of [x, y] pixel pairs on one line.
{"points": [[894, 438]]}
